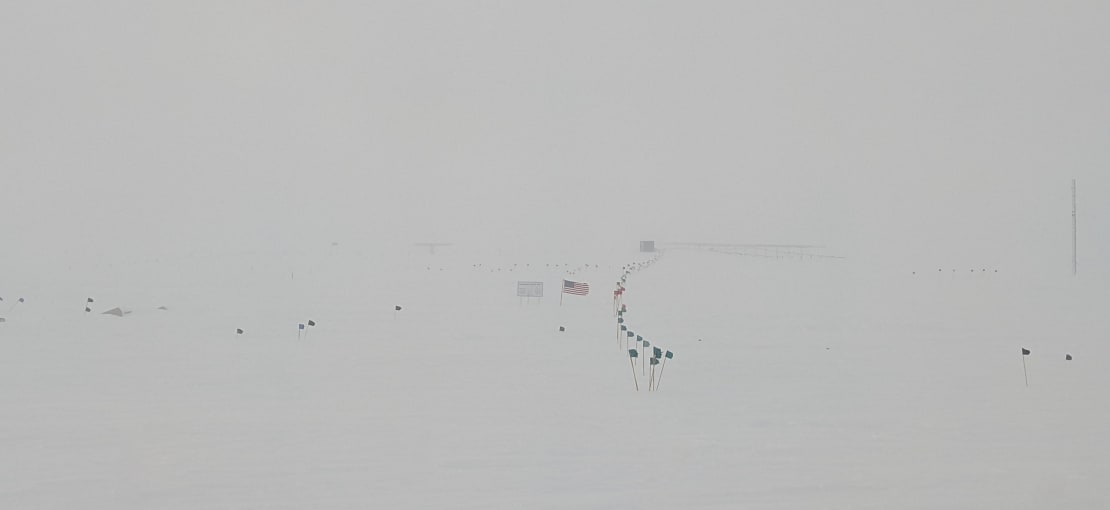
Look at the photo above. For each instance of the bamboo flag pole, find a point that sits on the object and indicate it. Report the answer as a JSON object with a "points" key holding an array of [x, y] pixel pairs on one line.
{"points": [[651, 382], [1024, 353], [631, 360], [667, 356], [656, 353]]}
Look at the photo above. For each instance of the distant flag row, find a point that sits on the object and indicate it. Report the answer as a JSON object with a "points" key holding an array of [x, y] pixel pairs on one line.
{"points": [[658, 357], [15, 304], [513, 267], [1025, 370], [302, 327], [1026, 352]]}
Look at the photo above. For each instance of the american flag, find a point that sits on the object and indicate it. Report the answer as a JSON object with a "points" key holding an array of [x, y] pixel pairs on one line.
{"points": [[576, 288]]}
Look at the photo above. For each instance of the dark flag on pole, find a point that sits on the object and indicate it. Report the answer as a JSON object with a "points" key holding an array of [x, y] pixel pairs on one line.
{"points": [[238, 331], [1024, 370], [632, 355], [311, 323], [1067, 357]]}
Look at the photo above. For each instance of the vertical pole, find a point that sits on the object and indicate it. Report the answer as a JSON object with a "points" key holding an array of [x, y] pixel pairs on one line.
{"points": [[1024, 370], [633, 363], [1074, 252], [661, 373]]}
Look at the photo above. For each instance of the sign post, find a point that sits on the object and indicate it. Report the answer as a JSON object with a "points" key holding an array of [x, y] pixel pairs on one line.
{"points": [[529, 290]]}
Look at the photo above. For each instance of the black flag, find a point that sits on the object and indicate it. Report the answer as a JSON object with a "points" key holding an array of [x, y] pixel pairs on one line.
{"points": [[1024, 351], [311, 323], [238, 331], [1067, 357], [90, 300], [397, 308]]}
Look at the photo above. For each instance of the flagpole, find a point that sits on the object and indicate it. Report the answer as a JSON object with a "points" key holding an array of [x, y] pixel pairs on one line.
{"points": [[661, 373], [633, 363], [1024, 370]]}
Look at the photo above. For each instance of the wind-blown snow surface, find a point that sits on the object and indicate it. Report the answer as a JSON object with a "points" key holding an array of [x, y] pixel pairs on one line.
{"points": [[795, 384]]}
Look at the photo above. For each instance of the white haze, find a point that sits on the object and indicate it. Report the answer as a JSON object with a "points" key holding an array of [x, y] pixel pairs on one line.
{"points": [[206, 156], [871, 128]]}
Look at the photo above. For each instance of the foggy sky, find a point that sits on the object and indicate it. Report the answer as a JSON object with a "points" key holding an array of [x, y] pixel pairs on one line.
{"points": [[946, 131]]}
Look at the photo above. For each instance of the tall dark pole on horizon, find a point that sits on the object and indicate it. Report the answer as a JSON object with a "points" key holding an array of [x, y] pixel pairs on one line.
{"points": [[1074, 250]]}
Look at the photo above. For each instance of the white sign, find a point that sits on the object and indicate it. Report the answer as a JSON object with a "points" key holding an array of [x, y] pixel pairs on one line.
{"points": [[529, 289]]}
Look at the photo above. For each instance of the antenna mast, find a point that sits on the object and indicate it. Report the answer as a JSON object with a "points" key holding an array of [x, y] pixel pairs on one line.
{"points": [[1074, 252]]}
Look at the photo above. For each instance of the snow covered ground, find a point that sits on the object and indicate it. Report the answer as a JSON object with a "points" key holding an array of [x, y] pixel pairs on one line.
{"points": [[795, 384]]}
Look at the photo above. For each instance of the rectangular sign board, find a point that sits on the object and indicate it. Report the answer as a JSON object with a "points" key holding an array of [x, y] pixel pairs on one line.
{"points": [[529, 289]]}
